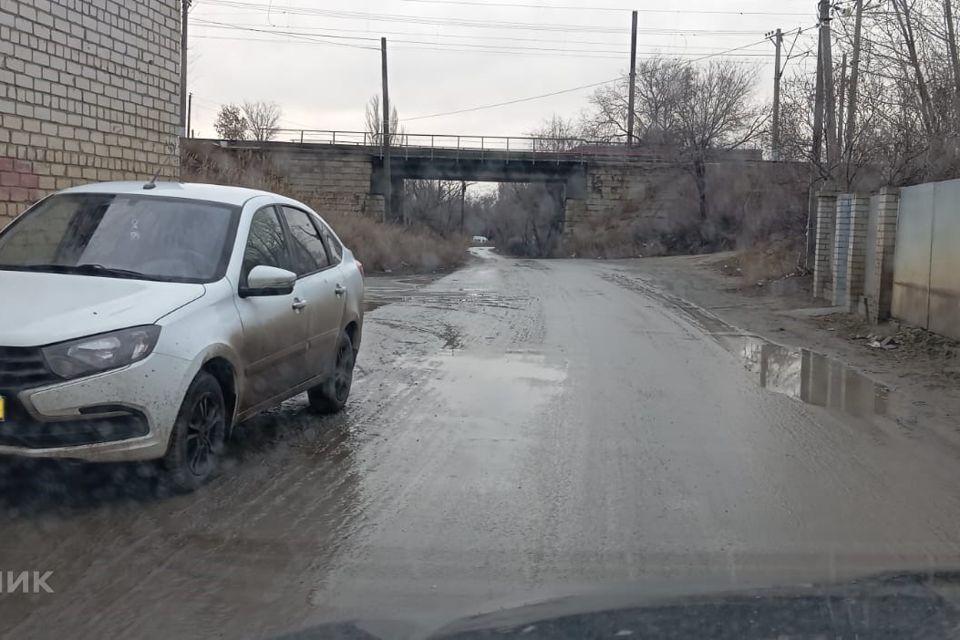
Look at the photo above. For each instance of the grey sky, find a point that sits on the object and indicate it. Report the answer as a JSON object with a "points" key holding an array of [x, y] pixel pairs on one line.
{"points": [[320, 85]]}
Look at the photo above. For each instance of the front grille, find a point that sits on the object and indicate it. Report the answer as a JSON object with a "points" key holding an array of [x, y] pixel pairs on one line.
{"points": [[24, 368]]}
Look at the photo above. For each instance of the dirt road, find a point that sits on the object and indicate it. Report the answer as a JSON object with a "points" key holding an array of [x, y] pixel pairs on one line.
{"points": [[519, 429]]}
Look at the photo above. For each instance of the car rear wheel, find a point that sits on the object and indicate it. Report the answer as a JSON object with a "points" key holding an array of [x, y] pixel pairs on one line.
{"points": [[198, 436], [332, 395]]}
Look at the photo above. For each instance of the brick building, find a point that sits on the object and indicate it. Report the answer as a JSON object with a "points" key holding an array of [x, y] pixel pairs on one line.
{"points": [[89, 91]]}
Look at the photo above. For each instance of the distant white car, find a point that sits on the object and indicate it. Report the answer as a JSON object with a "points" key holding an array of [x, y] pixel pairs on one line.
{"points": [[480, 240], [143, 321]]}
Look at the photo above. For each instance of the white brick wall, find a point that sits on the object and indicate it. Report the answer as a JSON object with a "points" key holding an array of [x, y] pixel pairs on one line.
{"points": [[89, 91]]}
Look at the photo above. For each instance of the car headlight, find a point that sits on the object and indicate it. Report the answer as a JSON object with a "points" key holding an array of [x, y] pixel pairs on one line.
{"points": [[101, 352]]}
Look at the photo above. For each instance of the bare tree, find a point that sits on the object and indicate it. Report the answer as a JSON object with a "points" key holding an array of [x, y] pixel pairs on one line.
{"points": [[373, 120], [658, 94], [556, 134], [230, 123], [907, 111], [262, 118], [715, 112]]}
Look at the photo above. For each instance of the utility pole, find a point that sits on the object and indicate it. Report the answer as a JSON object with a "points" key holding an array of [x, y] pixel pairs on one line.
{"points": [[184, 8], [852, 92], [829, 89], [777, 75], [843, 97], [631, 110], [818, 107], [463, 202], [387, 176], [817, 157], [189, 113]]}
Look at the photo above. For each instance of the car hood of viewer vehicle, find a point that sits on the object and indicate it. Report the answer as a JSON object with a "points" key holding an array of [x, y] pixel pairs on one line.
{"points": [[44, 308]]}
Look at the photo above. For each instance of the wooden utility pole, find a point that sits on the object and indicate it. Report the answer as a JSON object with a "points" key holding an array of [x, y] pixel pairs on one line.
{"points": [[387, 176], [184, 8], [854, 85], [954, 55], [777, 75], [817, 157], [829, 89], [843, 97], [818, 107], [632, 108]]}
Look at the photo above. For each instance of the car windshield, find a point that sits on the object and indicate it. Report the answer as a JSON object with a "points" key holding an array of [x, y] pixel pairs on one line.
{"points": [[122, 236]]}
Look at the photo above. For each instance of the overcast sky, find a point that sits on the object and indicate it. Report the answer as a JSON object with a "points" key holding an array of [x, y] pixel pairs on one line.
{"points": [[320, 61]]}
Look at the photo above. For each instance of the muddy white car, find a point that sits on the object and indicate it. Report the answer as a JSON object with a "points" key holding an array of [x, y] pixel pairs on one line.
{"points": [[144, 321]]}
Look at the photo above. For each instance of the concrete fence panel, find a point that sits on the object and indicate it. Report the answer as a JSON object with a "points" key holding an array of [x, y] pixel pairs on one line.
{"points": [[911, 285], [945, 260]]}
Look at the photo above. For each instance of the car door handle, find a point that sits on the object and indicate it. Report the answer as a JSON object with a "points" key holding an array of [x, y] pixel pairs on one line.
{"points": [[298, 304], [340, 290]]}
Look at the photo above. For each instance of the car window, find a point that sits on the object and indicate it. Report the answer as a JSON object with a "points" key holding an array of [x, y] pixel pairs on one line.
{"points": [[306, 246], [266, 244], [334, 248]]}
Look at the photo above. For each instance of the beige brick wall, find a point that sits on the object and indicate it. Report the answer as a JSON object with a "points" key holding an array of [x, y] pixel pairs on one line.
{"points": [[826, 230], [89, 91]]}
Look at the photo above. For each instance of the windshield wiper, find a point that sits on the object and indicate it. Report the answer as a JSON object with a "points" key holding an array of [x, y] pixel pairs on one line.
{"points": [[82, 269], [101, 270]]}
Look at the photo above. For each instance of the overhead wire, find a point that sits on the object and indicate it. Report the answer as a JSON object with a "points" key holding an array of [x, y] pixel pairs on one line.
{"points": [[618, 9], [467, 47], [326, 37], [512, 102], [463, 22]]}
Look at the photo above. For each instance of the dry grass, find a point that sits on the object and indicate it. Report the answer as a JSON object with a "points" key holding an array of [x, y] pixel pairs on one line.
{"points": [[765, 261], [381, 247]]}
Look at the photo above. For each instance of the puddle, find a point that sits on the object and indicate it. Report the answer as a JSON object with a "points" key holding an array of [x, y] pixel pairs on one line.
{"points": [[801, 374], [384, 289], [809, 377], [381, 290], [497, 390]]}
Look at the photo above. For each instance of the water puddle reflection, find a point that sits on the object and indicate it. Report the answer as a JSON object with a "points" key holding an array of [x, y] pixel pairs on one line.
{"points": [[381, 290], [810, 377]]}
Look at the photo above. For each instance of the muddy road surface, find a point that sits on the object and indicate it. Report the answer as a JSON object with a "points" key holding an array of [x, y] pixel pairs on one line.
{"points": [[519, 430]]}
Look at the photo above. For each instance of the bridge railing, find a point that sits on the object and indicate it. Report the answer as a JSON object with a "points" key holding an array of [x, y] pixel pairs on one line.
{"points": [[429, 145]]}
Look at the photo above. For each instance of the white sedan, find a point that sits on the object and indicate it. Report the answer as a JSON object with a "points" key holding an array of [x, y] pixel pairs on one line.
{"points": [[143, 321]]}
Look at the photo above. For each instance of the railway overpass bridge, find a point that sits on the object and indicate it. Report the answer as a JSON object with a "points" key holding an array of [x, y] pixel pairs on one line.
{"points": [[345, 171]]}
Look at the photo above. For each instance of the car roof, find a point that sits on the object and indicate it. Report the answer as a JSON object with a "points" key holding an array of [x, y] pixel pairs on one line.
{"points": [[189, 190]]}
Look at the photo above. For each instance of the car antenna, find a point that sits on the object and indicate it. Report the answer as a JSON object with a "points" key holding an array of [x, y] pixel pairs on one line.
{"points": [[153, 181]]}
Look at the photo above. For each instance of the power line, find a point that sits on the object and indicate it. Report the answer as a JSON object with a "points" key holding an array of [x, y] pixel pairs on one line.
{"points": [[510, 102], [559, 40], [461, 22], [442, 46], [618, 9], [574, 89], [509, 52], [304, 37], [746, 46]]}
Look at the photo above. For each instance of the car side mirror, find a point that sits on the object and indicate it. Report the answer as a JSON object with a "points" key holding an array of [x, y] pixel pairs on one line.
{"points": [[268, 281]]}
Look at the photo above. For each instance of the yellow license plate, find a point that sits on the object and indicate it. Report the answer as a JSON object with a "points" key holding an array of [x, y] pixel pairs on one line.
{"points": [[3, 409]]}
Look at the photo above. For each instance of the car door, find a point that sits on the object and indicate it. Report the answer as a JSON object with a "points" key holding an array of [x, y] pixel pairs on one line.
{"points": [[275, 328], [324, 293]]}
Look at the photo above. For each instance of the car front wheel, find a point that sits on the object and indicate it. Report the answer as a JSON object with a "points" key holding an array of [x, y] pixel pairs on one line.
{"points": [[198, 435], [332, 395]]}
